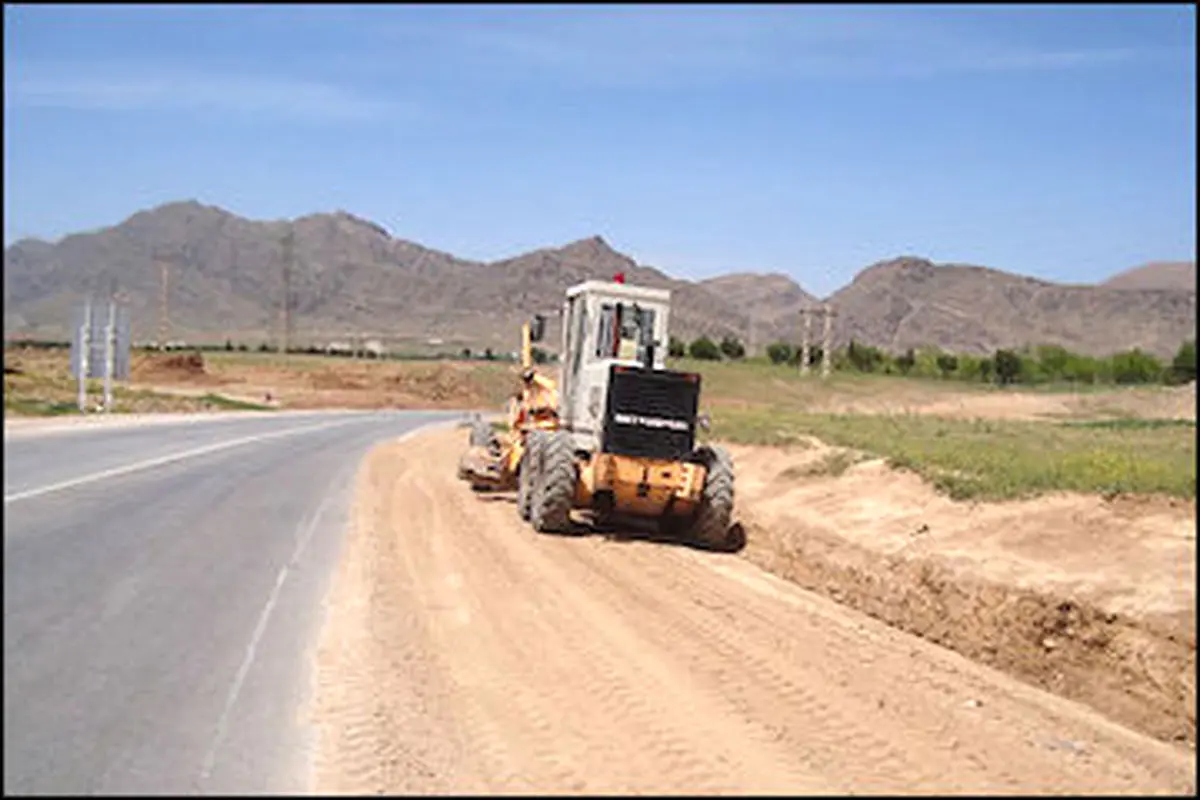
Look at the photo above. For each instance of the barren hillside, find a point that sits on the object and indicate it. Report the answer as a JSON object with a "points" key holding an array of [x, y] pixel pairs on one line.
{"points": [[1156, 275], [775, 298], [350, 276], [225, 276], [909, 302]]}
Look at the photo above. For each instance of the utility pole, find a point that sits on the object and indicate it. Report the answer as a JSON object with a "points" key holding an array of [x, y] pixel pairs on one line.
{"points": [[289, 241], [110, 346], [806, 323], [829, 313], [163, 318], [85, 344]]}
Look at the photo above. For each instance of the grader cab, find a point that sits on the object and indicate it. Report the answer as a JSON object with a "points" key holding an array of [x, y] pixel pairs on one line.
{"points": [[615, 437]]}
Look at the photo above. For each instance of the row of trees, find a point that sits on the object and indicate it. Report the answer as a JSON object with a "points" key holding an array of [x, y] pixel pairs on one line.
{"points": [[705, 349], [1031, 365]]}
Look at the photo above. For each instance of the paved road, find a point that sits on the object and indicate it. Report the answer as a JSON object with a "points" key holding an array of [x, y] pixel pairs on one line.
{"points": [[162, 596]]}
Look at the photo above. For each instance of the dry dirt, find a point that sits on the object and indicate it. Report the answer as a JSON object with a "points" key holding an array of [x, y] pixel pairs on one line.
{"points": [[172, 368], [346, 383], [464, 653], [1090, 598]]}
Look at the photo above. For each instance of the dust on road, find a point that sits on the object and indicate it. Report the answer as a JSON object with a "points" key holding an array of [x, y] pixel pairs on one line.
{"points": [[464, 653]]}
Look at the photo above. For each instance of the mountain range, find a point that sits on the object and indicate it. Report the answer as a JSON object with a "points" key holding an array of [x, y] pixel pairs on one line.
{"points": [[225, 278]]}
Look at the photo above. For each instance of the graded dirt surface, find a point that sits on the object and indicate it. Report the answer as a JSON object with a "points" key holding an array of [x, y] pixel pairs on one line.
{"points": [[1089, 597], [462, 652]]}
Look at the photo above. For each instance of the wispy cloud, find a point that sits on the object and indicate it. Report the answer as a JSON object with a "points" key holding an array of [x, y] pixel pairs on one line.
{"points": [[697, 44], [148, 88]]}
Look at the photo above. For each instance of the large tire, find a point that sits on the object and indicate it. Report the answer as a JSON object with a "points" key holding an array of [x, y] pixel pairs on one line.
{"points": [[527, 472], [554, 484], [711, 524], [481, 434]]}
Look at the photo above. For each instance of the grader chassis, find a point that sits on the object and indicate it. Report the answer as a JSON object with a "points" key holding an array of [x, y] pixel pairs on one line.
{"points": [[615, 437]]}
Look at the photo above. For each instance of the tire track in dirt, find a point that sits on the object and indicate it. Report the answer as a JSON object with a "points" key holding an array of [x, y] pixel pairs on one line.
{"points": [[465, 653], [620, 696]]}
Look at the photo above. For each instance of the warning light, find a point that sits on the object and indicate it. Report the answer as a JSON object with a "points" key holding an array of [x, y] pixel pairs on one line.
{"points": [[619, 277]]}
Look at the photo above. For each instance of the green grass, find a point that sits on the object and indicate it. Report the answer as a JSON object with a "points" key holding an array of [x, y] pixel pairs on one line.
{"points": [[35, 394], [831, 465], [32, 407], [1132, 424], [995, 460], [231, 404]]}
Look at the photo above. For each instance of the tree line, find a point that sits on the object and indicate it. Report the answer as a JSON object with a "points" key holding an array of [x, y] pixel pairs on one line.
{"points": [[1029, 365]]}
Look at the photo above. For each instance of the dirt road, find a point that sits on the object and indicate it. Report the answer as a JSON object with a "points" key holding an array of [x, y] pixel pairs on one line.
{"points": [[462, 652]]}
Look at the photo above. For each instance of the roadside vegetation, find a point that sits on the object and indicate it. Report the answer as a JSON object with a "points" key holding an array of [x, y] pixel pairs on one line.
{"points": [[995, 459], [1030, 366], [38, 383], [1104, 443]]}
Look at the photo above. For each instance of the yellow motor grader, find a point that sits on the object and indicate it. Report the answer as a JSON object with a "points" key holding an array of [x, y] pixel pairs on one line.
{"points": [[493, 460], [615, 436]]}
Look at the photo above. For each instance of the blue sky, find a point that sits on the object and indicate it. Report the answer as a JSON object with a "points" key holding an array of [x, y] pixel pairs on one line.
{"points": [[1056, 141]]}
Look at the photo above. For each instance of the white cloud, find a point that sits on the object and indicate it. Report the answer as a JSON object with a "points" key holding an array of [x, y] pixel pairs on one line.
{"points": [[173, 90], [650, 44]]}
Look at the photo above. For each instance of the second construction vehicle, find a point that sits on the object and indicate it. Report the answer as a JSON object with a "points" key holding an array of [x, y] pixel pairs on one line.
{"points": [[624, 443]]}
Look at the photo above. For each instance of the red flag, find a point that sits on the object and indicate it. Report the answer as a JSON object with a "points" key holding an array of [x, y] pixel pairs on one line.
{"points": [[619, 277]]}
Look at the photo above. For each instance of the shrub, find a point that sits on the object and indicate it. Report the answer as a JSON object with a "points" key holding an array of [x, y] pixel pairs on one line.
{"points": [[1054, 361], [732, 348], [947, 364], [1134, 366], [704, 349], [1183, 366], [864, 358], [780, 353], [1007, 366]]}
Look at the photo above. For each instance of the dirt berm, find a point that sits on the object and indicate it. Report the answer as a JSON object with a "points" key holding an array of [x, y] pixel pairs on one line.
{"points": [[464, 653], [1090, 597]]}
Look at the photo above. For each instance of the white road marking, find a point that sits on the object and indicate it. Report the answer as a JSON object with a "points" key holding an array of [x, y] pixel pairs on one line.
{"points": [[256, 637], [168, 459], [265, 616]]}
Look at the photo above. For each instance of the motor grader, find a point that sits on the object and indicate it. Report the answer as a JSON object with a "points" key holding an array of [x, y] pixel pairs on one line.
{"points": [[615, 437], [493, 460]]}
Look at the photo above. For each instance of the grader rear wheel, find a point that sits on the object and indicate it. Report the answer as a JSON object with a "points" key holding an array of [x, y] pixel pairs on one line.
{"points": [[711, 524], [554, 484]]}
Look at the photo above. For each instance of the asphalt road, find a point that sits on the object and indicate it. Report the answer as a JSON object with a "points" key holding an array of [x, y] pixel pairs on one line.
{"points": [[162, 598]]}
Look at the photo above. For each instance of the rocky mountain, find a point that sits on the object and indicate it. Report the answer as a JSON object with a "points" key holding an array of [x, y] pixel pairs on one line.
{"points": [[225, 279], [909, 302], [1157, 275]]}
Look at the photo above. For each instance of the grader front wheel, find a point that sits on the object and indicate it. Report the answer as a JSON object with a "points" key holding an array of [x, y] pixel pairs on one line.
{"points": [[554, 484], [527, 473], [481, 434]]}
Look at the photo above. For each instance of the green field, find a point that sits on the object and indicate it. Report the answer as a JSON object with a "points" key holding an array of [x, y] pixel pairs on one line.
{"points": [[995, 459]]}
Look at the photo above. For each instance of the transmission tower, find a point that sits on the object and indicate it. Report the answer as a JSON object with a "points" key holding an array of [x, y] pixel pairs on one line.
{"points": [[289, 244], [164, 323]]}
